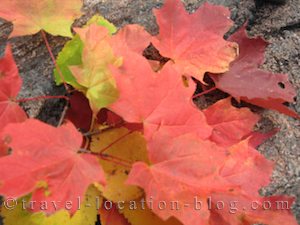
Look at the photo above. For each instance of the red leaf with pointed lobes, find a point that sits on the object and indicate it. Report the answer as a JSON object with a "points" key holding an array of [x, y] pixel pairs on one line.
{"points": [[158, 100], [246, 81], [10, 86], [185, 167], [230, 124], [195, 42], [46, 162]]}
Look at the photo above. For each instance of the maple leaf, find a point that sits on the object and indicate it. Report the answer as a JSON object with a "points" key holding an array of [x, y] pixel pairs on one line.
{"points": [[87, 215], [94, 73], [246, 81], [195, 42], [71, 54], [230, 124], [30, 16], [45, 161], [164, 105], [187, 167], [183, 168], [10, 86], [130, 147]]}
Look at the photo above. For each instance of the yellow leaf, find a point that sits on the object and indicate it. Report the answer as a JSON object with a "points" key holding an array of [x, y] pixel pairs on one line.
{"points": [[130, 147], [86, 215]]}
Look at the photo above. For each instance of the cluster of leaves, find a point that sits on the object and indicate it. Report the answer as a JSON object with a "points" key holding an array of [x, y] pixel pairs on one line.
{"points": [[132, 130]]}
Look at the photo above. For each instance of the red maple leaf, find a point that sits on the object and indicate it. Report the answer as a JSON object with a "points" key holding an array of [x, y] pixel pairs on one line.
{"points": [[230, 124], [183, 168], [10, 86], [246, 81], [46, 162], [157, 100], [195, 42], [186, 167]]}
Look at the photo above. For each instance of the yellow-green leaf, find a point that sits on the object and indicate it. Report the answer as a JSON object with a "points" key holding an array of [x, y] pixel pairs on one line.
{"points": [[94, 73], [71, 54]]}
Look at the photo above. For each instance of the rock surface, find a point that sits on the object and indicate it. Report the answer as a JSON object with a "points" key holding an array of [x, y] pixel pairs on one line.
{"points": [[279, 24]]}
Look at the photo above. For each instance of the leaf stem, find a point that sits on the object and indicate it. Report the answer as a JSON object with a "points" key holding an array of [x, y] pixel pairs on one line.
{"points": [[54, 61], [204, 92]]}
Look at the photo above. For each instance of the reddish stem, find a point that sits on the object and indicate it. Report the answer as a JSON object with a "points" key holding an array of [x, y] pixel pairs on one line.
{"points": [[96, 132], [116, 160], [204, 92], [54, 61], [114, 142], [109, 158], [41, 98]]}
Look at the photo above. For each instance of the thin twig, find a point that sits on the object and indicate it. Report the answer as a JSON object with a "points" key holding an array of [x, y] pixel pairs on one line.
{"points": [[63, 115], [54, 61], [115, 157], [107, 157], [96, 132], [204, 92]]}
